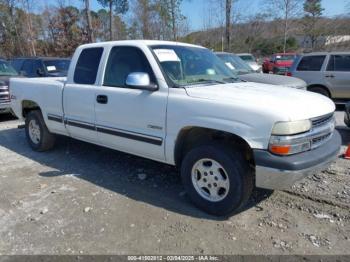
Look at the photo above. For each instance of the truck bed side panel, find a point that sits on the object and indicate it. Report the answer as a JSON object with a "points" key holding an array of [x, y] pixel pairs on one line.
{"points": [[46, 93]]}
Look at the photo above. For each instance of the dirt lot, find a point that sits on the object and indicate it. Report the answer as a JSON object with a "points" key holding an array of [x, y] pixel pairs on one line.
{"points": [[84, 199]]}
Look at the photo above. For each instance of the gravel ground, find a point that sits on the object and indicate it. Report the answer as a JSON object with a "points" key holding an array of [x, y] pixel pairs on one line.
{"points": [[84, 199]]}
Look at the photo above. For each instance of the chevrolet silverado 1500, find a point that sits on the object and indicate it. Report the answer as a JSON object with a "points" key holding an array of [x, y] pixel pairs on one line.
{"points": [[180, 104]]}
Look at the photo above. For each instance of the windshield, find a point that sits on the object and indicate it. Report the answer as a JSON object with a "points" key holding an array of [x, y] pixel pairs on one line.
{"points": [[285, 57], [6, 69], [248, 58], [235, 63], [55, 66], [187, 66]]}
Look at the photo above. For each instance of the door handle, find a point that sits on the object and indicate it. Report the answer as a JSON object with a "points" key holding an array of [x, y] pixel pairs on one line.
{"points": [[102, 99], [330, 76]]}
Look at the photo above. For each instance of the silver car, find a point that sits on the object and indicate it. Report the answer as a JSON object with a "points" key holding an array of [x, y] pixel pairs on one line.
{"points": [[251, 61], [325, 73], [244, 72]]}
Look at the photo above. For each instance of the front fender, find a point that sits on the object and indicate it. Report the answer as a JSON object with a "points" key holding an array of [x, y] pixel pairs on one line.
{"points": [[254, 138]]}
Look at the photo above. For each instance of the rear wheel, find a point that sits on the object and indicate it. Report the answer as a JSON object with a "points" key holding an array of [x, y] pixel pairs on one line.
{"points": [[320, 90], [217, 179], [38, 136]]}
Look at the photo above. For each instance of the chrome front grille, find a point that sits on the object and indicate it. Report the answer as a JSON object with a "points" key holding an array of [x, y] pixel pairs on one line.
{"points": [[322, 129], [319, 121], [4, 94], [319, 140]]}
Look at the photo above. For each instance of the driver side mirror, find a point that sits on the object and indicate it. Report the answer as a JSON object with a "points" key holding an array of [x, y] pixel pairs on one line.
{"points": [[139, 80]]}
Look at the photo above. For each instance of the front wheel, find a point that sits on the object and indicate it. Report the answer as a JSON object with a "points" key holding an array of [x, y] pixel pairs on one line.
{"points": [[38, 136], [217, 179]]}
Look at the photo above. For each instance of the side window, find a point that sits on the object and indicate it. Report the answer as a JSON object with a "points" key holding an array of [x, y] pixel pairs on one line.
{"points": [[28, 68], [87, 66], [38, 68], [122, 61], [311, 63], [17, 64], [340, 63]]}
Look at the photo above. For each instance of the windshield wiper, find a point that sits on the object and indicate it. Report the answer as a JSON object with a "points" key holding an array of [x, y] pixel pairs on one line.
{"points": [[231, 79], [202, 81]]}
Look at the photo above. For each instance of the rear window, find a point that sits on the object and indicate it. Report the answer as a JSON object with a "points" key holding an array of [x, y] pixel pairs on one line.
{"points": [[311, 63], [339, 63], [87, 66]]}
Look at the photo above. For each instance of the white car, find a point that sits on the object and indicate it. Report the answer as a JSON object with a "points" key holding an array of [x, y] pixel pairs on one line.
{"points": [[244, 72], [251, 61], [179, 104]]}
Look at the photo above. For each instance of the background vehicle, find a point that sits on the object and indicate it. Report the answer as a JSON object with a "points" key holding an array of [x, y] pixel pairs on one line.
{"points": [[278, 63], [347, 114], [41, 66], [325, 73], [180, 104], [251, 61], [6, 71], [244, 72]]}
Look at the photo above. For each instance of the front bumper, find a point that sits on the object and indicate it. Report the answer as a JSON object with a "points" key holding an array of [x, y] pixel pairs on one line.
{"points": [[281, 172]]}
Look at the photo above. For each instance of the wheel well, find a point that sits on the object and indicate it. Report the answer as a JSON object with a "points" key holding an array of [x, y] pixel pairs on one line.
{"points": [[319, 86], [195, 136], [27, 106]]}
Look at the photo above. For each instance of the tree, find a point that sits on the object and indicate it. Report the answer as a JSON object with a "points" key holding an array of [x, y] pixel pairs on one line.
{"points": [[288, 10], [117, 6], [313, 12], [66, 34], [228, 9], [171, 16], [102, 25], [90, 32], [254, 31]]}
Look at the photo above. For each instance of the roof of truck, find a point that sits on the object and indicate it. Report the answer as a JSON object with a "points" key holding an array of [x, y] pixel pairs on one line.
{"points": [[138, 42]]}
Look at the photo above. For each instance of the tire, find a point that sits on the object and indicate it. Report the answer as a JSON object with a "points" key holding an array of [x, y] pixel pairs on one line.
{"points": [[38, 136], [320, 90], [234, 168]]}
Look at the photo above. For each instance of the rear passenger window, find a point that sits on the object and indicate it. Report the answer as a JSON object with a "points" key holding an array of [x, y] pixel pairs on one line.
{"points": [[339, 63], [87, 66], [311, 63]]}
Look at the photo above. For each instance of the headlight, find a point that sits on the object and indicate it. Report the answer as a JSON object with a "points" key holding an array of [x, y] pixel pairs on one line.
{"points": [[291, 128], [285, 141]]}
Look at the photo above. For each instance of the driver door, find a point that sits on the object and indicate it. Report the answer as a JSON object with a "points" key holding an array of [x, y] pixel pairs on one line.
{"points": [[128, 119]]}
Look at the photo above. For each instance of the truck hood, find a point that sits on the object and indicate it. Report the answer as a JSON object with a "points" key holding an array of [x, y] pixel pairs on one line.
{"points": [[274, 80], [288, 104]]}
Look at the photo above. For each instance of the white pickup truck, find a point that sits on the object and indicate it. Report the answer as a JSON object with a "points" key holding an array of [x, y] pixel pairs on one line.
{"points": [[179, 104]]}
